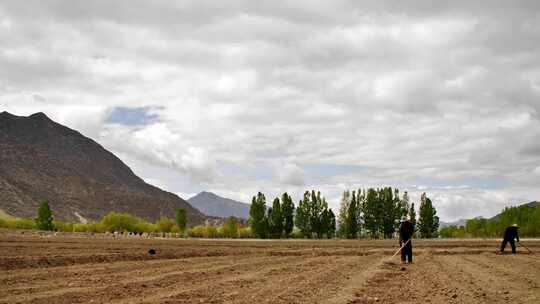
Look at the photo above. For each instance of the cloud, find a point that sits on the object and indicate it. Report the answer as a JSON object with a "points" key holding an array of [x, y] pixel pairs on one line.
{"points": [[237, 97], [290, 174]]}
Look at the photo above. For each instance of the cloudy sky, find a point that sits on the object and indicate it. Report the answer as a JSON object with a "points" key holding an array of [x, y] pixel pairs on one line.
{"points": [[237, 97]]}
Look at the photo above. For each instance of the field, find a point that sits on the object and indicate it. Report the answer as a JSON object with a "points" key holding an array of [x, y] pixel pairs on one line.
{"points": [[78, 269]]}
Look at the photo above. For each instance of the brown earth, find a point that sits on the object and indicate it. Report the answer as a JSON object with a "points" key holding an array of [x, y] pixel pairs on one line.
{"points": [[48, 269]]}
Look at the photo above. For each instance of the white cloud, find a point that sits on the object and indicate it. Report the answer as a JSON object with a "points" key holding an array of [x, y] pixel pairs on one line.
{"points": [[290, 174], [444, 96]]}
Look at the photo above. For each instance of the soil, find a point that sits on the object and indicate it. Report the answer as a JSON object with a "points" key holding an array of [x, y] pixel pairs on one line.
{"points": [[47, 268]]}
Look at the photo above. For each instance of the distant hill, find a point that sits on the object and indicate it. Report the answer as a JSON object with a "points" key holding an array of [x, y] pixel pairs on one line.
{"points": [[43, 160], [213, 205], [458, 223], [529, 205], [462, 222]]}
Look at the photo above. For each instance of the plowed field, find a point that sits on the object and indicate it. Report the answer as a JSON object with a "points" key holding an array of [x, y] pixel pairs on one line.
{"points": [[79, 269]]}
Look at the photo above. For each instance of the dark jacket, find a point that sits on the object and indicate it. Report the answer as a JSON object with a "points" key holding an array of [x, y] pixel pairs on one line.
{"points": [[511, 233], [406, 231]]}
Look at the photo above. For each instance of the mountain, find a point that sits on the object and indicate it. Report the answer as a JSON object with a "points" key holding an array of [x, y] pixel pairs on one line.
{"points": [[43, 160], [525, 205], [214, 205], [458, 223]]}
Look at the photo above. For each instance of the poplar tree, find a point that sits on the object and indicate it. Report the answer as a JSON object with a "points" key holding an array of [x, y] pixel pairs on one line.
{"points": [[331, 232], [302, 218], [276, 228], [287, 210], [371, 213], [343, 214], [257, 216], [318, 205], [405, 204], [390, 211], [412, 216], [352, 217], [44, 220], [428, 222], [181, 219]]}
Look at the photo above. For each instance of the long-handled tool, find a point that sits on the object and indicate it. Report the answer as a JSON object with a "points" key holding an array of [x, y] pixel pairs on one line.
{"points": [[401, 248], [522, 245]]}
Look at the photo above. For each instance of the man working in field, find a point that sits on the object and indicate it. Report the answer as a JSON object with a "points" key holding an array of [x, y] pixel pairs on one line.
{"points": [[510, 234], [406, 231]]}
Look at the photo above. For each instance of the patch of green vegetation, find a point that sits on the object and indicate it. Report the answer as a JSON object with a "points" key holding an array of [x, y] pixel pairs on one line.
{"points": [[526, 216]]}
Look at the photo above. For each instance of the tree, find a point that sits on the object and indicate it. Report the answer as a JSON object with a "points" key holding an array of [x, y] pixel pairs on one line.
{"points": [[268, 222], [344, 213], [352, 217], [302, 218], [405, 204], [372, 214], [257, 216], [435, 227], [44, 221], [181, 219], [318, 208], [391, 212], [312, 215], [276, 220], [428, 222], [287, 210], [412, 216], [331, 222]]}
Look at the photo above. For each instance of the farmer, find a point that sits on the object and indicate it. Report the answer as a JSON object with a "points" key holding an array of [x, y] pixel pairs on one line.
{"points": [[510, 234], [406, 231]]}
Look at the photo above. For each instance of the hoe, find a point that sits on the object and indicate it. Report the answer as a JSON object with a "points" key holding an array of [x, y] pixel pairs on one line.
{"points": [[522, 245]]}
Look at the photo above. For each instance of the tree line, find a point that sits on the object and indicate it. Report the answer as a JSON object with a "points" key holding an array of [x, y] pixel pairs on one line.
{"points": [[364, 213], [373, 213], [376, 213]]}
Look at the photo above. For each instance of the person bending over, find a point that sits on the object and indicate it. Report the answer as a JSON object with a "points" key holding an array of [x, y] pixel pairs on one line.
{"points": [[510, 234]]}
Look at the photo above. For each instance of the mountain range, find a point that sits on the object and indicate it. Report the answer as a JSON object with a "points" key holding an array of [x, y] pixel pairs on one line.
{"points": [[214, 205], [43, 160]]}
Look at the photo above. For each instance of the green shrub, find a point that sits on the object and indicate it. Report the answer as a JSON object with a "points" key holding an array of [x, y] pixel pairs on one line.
{"points": [[195, 231], [89, 227], [164, 225], [230, 228], [122, 222], [144, 226], [22, 224], [63, 226], [201, 231], [210, 232], [245, 233], [176, 229]]}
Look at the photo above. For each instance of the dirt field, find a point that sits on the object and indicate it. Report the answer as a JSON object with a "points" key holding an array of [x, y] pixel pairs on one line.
{"points": [[78, 269]]}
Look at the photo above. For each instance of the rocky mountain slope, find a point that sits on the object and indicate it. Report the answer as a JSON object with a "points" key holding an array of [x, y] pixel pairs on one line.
{"points": [[41, 159], [214, 205]]}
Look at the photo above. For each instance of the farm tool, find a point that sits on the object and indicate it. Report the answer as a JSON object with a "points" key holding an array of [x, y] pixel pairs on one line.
{"points": [[522, 245], [401, 248], [389, 260]]}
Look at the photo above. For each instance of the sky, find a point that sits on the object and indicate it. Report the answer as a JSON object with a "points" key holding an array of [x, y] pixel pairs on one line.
{"points": [[237, 97]]}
